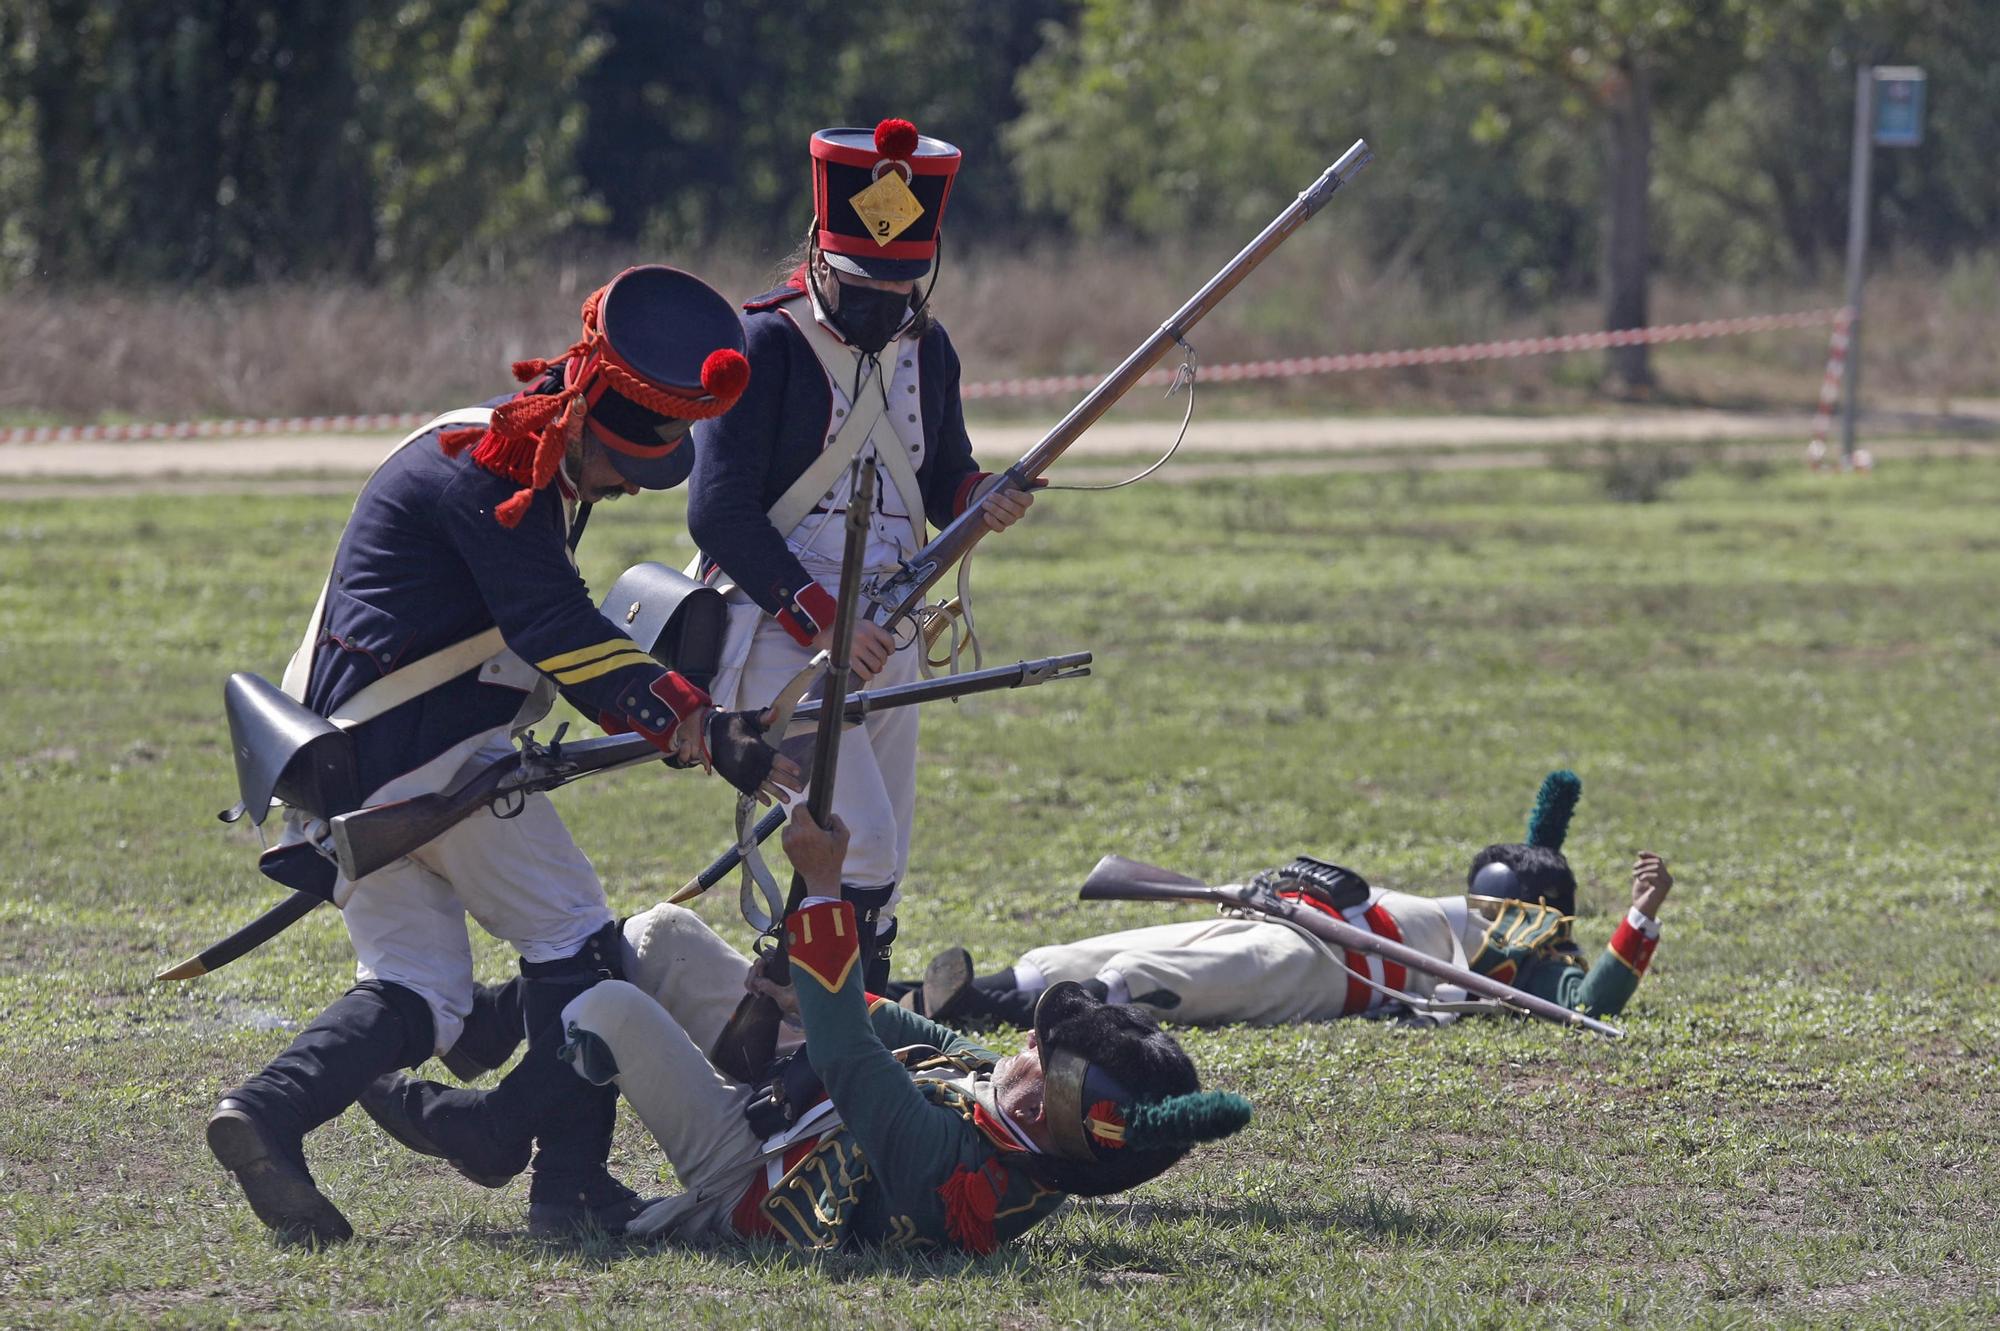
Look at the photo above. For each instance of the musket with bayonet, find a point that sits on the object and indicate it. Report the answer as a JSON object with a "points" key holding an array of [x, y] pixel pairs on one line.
{"points": [[1118, 879], [896, 597], [746, 1044], [367, 839]]}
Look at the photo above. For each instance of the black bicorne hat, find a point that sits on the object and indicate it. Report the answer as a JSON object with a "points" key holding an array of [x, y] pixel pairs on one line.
{"points": [[879, 198], [1118, 1092]]}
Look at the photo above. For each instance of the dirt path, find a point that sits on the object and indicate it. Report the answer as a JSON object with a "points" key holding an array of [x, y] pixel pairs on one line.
{"points": [[328, 463]]}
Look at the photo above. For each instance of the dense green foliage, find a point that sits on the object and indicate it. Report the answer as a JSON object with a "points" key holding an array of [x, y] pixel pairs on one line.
{"points": [[243, 139], [1785, 683]]}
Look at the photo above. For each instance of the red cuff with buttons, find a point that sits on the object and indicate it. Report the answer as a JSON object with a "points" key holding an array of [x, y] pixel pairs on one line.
{"points": [[812, 608], [823, 942], [1632, 947], [658, 710]]}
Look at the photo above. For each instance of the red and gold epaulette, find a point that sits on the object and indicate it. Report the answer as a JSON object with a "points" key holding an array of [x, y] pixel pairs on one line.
{"points": [[822, 941]]}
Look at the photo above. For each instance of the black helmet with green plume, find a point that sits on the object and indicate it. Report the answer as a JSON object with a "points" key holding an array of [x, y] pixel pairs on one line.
{"points": [[1120, 1097], [1534, 870]]}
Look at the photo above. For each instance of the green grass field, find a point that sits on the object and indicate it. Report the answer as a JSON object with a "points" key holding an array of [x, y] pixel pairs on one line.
{"points": [[1786, 684]]}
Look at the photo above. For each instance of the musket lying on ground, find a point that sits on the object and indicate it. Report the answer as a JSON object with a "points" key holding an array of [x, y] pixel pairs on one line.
{"points": [[896, 597], [1118, 879], [386, 832]]}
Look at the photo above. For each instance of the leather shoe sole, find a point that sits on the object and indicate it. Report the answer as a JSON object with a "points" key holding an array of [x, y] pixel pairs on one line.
{"points": [[281, 1193], [947, 980]]}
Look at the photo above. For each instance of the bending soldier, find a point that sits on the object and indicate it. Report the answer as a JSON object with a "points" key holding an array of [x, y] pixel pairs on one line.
{"points": [[1513, 924], [921, 1138], [463, 540], [846, 358]]}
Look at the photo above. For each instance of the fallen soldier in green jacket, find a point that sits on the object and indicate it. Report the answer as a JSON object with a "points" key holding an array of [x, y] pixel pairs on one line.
{"points": [[921, 1138], [1513, 924]]}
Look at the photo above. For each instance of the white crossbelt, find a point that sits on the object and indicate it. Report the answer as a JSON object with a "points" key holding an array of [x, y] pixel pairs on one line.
{"points": [[838, 360], [420, 676]]}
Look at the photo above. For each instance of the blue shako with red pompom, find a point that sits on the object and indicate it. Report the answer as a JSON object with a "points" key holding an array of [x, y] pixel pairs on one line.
{"points": [[659, 348], [879, 197]]}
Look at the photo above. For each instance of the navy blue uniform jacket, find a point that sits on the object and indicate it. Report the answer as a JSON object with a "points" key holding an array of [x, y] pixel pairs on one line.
{"points": [[423, 565], [746, 459]]}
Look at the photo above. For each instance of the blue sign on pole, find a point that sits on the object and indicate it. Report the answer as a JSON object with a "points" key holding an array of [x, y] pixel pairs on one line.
{"points": [[1899, 106]]}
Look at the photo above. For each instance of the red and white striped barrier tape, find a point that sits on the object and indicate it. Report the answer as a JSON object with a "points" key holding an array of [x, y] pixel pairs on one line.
{"points": [[1295, 367], [1048, 386], [377, 423]]}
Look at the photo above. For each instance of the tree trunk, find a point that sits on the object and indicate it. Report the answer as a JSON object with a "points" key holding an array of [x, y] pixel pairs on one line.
{"points": [[1627, 251]]}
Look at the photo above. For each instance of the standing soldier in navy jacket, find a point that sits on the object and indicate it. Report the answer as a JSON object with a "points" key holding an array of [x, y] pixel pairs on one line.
{"points": [[846, 360], [453, 615]]}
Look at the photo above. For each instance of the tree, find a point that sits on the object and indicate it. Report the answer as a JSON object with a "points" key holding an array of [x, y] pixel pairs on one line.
{"points": [[1161, 118], [700, 113], [1758, 182], [1620, 63], [472, 112]]}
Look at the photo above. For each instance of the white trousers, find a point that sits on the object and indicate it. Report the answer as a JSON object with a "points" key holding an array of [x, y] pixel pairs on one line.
{"points": [[684, 983], [522, 878], [876, 792], [1223, 969]]}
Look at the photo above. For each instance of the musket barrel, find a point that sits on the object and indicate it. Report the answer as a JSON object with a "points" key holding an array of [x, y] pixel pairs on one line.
{"points": [[903, 592], [1121, 380]]}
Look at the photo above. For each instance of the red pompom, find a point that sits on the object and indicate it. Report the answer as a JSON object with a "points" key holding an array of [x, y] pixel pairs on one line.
{"points": [[896, 138], [971, 1201], [725, 374]]}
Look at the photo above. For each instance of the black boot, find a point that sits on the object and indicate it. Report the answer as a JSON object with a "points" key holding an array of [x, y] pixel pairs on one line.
{"points": [[572, 1192], [876, 938], [257, 1131], [493, 1030], [490, 1136], [998, 998]]}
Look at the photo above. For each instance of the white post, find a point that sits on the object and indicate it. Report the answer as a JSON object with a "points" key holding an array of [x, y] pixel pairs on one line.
{"points": [[1857, 250]]}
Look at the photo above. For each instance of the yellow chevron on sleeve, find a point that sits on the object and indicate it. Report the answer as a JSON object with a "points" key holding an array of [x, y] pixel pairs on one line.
{"points": [[630, 657], [564, 660]]}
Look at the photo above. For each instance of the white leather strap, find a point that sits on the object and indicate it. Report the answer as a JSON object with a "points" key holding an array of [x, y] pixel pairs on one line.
{"points": [[420, 676], [838, 359]]}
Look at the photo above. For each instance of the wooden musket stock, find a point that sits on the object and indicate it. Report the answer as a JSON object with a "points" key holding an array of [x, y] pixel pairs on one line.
{"points": [[746, 1044]]}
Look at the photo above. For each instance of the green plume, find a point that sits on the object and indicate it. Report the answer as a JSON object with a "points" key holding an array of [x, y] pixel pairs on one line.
{"points": [[1180, 1120], [1554, 803]]}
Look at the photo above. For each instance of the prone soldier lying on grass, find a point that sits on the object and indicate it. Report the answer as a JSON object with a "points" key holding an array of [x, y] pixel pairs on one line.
{"points": [[892, 1129], [1513, 925]]}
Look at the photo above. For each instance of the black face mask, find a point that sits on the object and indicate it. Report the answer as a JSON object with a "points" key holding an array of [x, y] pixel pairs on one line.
{"points": [[868, 318]]}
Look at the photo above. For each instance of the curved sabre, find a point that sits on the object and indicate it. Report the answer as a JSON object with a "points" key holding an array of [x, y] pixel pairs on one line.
{"points": [[252, 935]]}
